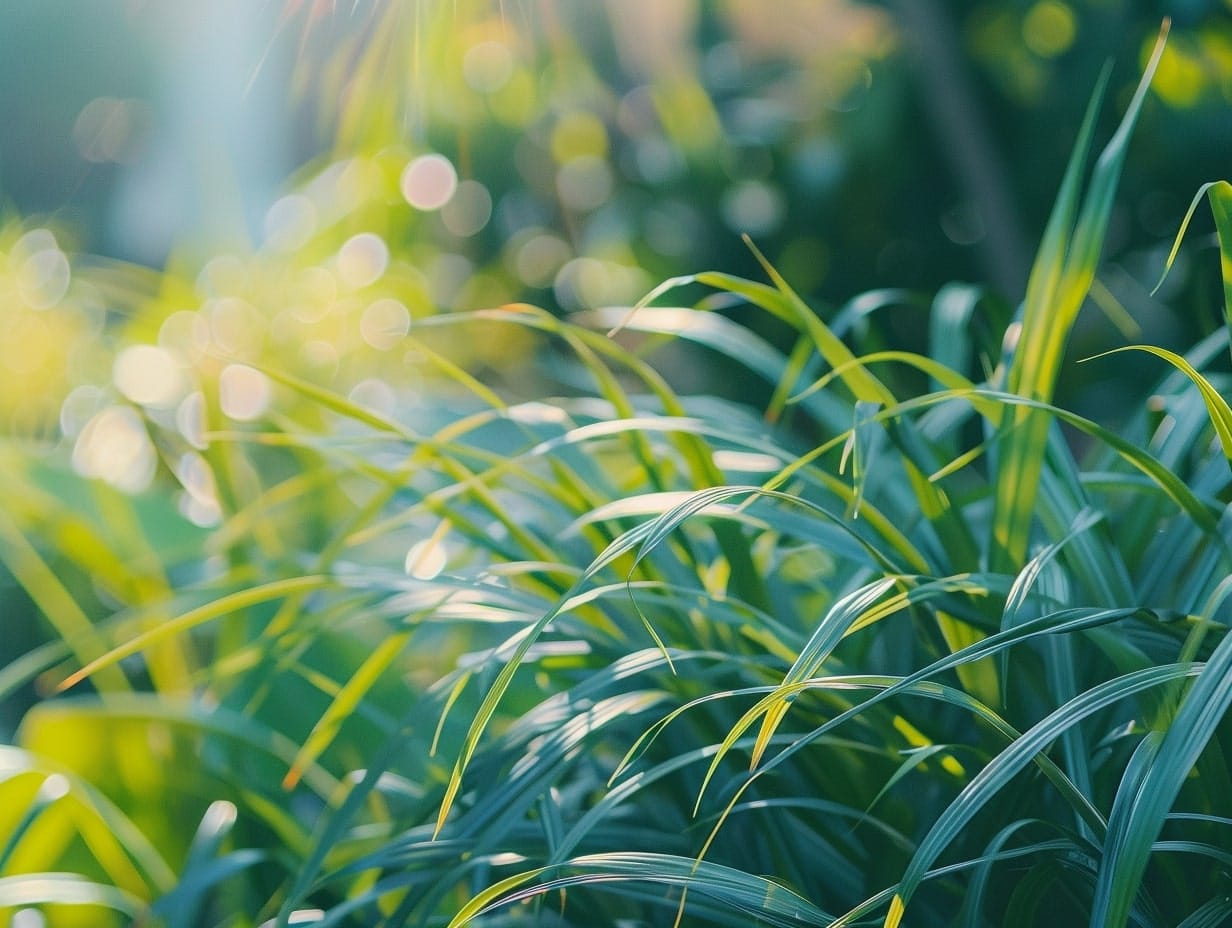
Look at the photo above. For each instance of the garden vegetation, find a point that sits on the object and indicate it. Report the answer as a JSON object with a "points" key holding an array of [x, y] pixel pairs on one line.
{"points": [[907, 643]]}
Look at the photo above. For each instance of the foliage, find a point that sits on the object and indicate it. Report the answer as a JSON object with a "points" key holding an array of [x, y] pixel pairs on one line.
{"points": [[884, 648]]}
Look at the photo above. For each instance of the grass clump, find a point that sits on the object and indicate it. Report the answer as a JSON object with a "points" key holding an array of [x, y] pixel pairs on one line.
{"points": [[886, 651]]}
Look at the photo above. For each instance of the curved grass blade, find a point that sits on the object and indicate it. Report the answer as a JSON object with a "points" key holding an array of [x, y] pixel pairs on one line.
{"points": [[344, 704], [760, 898], [1138, 818], [1013, 759], [31, 889], [1220, 194], [1064, 622], [72, 625], [857, 611], [112, 832], [225, 605], [49, 792], [1216, 406], [205, 868]]}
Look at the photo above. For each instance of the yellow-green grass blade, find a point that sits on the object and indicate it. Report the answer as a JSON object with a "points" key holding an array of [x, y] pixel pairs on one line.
{"points": [[590, 348], [782, 302], [1027, 372], [46, 794], [218, 721], [863, 385], [170, 664], [58, 815], [104, 534], [849, 615], [113, 834], [1064, 622], [792, 372], [55, 602], [946, 376], [440, 448], [225, 605], [1216, 406], [344, 704], [914, 686], [1060, 279], [1220, 194], [1068, 257], [1082, 257], [833, 627]]}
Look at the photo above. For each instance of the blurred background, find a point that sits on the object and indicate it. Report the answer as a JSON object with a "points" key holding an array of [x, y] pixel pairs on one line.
{"points": [[192, 188], [860, 144]]}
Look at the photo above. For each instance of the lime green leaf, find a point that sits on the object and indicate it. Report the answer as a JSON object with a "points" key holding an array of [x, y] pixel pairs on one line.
{"points": [[1216, 406]]}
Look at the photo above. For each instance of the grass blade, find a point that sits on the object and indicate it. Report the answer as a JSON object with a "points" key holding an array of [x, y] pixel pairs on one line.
{"points": [[1060, 280], [1138, 818]]}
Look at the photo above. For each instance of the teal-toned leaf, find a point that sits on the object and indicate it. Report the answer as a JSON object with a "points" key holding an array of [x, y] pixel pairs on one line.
{"points": [[761, 899], [1138, 817]]}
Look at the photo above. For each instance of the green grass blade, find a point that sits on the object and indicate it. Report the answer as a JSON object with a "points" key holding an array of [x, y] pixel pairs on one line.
{"points": [[345, 704], [759, 898], [1220, 195], [1216, 406], [1215, 913], [71, 623], [1064, 622], [233, 602], [1137, 820], [205, 867], [1027, 371], [984, 786], [1060, 280]]}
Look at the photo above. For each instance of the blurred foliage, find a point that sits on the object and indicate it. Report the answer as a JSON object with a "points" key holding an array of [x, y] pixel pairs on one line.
{"points": [[253, 458], [471, 154]]}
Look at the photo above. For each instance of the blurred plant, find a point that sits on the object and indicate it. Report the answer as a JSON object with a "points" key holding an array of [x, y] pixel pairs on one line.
{"points": [[360, 622], [412, 645]]}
